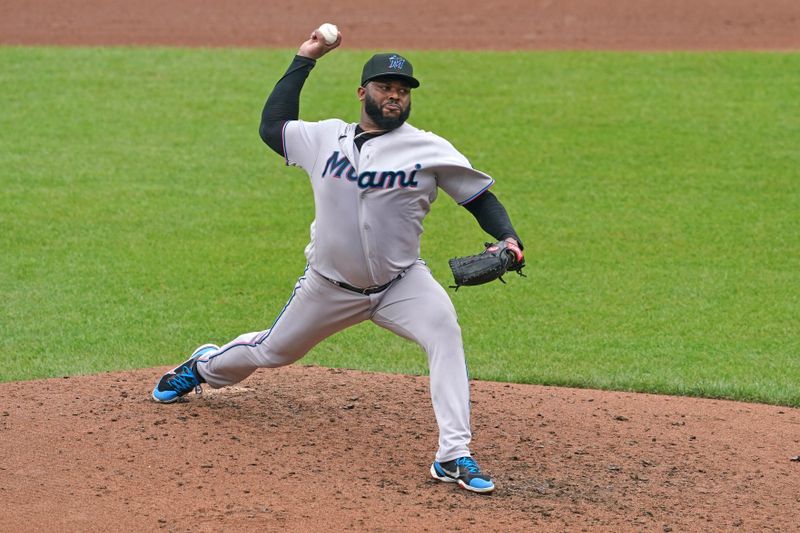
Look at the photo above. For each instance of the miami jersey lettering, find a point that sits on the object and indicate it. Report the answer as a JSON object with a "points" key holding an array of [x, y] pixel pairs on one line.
{"points": [[369, 179]]}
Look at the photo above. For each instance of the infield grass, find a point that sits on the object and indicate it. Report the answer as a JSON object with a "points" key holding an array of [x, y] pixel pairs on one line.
{"points": [[657, 196]]}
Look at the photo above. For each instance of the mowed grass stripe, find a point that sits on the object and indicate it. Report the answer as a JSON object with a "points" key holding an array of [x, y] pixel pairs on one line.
{"points": [[657, 196]]}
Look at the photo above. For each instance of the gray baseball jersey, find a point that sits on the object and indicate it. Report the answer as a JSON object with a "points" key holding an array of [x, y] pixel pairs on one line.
{"points": [[370, 205]]}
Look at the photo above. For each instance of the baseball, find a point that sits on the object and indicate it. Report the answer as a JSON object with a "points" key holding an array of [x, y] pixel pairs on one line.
{"points": [[329, 32]]}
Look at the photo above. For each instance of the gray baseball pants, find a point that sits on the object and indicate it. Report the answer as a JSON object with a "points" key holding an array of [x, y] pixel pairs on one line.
{"points": [[415, 307]]}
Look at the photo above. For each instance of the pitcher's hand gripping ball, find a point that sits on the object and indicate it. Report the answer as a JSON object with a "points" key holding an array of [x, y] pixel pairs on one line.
{"points": [[329, 32], [489, 265]]}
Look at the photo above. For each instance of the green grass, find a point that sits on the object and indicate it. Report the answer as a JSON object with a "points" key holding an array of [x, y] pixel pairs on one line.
{"points": [[658, 196]]}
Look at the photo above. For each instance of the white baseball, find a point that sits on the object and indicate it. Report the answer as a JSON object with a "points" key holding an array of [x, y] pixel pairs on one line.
{"points": [[329, 32]]}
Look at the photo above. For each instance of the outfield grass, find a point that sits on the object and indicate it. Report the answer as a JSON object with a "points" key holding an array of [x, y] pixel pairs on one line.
{"points": [[657, 196]]}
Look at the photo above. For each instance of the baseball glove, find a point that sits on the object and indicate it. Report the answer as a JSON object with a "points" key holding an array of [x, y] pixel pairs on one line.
{"points": [[489, 265]]}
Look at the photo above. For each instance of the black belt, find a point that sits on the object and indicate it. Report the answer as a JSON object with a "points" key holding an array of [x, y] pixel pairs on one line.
{"points": [[366, 290]]}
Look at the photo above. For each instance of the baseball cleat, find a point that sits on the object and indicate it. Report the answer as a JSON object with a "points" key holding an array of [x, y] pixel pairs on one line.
{"points": [[464, 471], [183, 378]]}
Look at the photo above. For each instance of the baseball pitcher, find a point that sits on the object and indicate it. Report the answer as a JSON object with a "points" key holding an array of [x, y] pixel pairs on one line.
{"points": [[373, 183]]}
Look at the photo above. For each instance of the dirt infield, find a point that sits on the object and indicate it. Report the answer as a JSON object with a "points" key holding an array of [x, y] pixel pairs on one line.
{"points": [[305, 448], [413, 24]]}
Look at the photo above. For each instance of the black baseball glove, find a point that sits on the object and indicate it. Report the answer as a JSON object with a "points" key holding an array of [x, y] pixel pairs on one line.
{"points": [[489, 265]]}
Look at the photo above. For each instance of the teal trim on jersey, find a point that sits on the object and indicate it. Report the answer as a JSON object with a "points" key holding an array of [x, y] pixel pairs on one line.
{"points": [[283, 143], [468, 200]]}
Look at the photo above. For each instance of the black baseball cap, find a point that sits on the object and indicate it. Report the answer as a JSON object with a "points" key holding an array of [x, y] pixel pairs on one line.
{"points": [[390, 64]]}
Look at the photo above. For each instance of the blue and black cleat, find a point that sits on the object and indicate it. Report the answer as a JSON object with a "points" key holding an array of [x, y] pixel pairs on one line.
{"points": [[183, 378], [464, 471]]}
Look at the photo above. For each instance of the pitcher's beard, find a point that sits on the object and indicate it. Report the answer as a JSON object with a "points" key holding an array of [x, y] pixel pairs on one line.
{"points": [[385, 123]]}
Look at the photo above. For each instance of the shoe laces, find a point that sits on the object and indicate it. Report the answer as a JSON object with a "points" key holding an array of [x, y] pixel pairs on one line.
{"points": [[469, 464], [185, 381]]}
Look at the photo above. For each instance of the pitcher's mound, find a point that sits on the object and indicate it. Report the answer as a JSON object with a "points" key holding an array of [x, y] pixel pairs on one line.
{"points": [[308, 448]]}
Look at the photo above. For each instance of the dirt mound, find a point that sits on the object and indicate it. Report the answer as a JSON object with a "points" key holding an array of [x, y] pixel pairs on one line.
{"points": [[304, 448]]}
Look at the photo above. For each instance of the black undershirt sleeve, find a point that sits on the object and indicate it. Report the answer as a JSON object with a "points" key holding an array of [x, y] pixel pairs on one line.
{"points": [[492, 217], [283, 103]]}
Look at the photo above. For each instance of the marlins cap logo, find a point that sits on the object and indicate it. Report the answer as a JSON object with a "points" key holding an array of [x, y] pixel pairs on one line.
{"points": [[389, 64], [396, 61]]}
